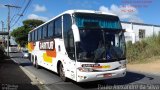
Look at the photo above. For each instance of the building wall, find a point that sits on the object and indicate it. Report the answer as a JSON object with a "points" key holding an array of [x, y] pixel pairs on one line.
{"points": [[157, 30], [132, 30]]}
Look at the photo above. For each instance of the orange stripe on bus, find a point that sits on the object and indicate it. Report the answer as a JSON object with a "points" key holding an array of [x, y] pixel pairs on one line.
{"points": [[30, 46], [51, 53]]}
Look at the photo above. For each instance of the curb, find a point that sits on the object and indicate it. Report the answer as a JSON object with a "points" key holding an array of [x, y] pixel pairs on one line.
{"points": [[33, 78], [29, 74], [142, 72]]}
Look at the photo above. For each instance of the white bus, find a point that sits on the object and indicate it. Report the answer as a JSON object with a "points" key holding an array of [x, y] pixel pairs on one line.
{"points": [[81, 45]]}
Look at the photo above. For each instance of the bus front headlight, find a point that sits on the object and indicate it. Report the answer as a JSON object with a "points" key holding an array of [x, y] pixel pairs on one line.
{"points": [[83, 69], [123, 65]]}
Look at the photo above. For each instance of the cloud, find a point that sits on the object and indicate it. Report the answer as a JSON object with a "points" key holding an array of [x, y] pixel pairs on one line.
{"points": [[34, 16], [127, 12], [39, 8], [136, 19], [2, 6], [83, 4]]}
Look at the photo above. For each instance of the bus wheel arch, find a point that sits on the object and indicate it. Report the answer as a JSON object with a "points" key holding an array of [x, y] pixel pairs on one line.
{"points": [[60, 70], [58, 63]]}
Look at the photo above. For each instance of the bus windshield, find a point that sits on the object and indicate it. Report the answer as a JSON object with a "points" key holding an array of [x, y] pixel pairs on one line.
{"points": [[102, 38]]}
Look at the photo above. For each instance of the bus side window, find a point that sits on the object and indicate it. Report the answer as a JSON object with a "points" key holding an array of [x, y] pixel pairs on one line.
{"points": [[29, 38], [33, 36], [68, 36], [30, 35], [39, 33], [58, 27], [44, 35], [36, 35], [51, 29]]}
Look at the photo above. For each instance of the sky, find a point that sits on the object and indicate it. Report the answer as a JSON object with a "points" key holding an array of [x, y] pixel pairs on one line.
{"points": [[141, 11]]}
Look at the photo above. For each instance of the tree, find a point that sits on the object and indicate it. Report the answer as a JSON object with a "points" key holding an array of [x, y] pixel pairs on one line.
{"points": [[21, 33], [32, 23]]}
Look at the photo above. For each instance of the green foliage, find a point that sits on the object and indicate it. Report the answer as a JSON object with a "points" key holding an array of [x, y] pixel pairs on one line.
{"points": [[144, 49], [32, 23], [21, 33]]}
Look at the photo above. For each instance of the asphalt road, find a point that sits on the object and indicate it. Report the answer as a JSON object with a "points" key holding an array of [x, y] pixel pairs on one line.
{"points": [[53, 82]]}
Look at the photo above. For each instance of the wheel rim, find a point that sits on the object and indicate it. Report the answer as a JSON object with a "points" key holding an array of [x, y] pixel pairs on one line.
{"points": [[62, 71]]}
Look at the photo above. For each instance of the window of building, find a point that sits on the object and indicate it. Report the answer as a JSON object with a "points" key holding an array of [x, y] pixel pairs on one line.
{"points": [[141, 33], [58, 27], [51, 29], [159, 33]]}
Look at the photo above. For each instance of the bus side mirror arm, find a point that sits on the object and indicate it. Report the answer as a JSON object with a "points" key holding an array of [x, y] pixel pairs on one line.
{"points": [[75, 33]]}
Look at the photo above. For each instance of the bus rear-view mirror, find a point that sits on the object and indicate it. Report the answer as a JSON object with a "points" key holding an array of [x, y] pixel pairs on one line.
{"points": [[75, 33]]}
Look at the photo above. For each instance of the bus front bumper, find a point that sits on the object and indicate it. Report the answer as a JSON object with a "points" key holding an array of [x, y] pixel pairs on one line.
{"points": [[94, 76]]}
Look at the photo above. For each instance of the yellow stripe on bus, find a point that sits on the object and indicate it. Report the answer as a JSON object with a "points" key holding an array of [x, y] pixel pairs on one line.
{"points": [[106, 66], [47, 58]]}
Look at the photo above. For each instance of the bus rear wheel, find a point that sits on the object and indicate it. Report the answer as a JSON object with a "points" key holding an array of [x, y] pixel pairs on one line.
{"points": [[62, 73], [36, 64]]}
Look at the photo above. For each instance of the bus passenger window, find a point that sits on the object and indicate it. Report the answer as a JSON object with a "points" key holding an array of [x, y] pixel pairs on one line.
{"points": [[44, 35], [50, 29], [58, 27], [30, 35], [36, 35], [33, 36]]}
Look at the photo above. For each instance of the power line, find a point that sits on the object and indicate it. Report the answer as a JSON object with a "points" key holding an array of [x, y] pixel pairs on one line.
{"points": [[17, 11], [27, 5], [22, 18]]}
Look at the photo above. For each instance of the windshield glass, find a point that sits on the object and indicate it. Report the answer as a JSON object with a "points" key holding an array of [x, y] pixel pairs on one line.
{"points": [[97, 21], [102, 42]]}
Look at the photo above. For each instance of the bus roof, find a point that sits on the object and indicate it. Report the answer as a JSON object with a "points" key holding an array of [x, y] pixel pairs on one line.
{"points": [[76, 11]]}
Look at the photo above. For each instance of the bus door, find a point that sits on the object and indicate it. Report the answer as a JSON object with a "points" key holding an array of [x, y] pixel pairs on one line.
{"points": [[72, 69]]}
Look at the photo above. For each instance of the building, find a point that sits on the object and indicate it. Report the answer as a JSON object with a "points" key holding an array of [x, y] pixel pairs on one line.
{"points": [[137, 31]]}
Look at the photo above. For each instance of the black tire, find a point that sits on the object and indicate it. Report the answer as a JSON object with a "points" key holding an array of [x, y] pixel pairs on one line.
{"points": [[61, 73], [29, 57], [36, 65]]}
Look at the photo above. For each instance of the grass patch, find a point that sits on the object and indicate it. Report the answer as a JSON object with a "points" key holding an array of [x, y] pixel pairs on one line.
{"points": [[142, 51]]}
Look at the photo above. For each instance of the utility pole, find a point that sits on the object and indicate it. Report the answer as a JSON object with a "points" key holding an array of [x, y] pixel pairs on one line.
{"points": [[2, 31], [8, 22], [2, 25]]}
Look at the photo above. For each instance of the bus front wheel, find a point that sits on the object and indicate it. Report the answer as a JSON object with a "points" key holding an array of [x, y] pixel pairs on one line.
{"points": [[62, 73]]}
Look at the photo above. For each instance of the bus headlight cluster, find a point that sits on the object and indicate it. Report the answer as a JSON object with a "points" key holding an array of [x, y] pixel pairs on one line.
{"points": [[123, 65], [82, 69]]}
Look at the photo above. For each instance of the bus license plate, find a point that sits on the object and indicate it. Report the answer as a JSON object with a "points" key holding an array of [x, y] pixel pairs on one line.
{"points": [[107, 75]]}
